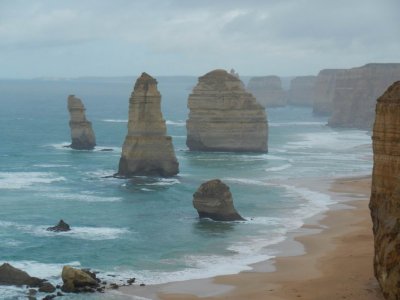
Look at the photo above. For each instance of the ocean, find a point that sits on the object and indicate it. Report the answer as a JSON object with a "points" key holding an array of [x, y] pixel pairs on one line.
{"points": [[146, 227]]}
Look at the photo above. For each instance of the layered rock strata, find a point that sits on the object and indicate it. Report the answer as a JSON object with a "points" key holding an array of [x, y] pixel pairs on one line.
{"points": [[356, 92], [224, 116], [82, 134], [301, 91], [213, 200], [147, 149], [385, 192], [267, 90], [324, 91]]}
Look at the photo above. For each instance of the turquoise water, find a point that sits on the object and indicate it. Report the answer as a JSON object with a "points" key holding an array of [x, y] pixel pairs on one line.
{"points": [[146, 227]]}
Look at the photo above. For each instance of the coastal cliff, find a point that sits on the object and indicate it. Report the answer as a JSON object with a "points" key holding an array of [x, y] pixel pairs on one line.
{"points": [[324, 91], [224, 116], [301, 91], [356, 91], [385, 193], [147, 149], [82, 135], [267, 90]]}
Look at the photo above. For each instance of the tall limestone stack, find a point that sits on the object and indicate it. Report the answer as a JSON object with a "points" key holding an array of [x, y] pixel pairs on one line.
{"points": [[324, 92], [267, 90], [385, 193], [301, 91], [147, 149], [224, 116], [82, 134], [356, 91]]}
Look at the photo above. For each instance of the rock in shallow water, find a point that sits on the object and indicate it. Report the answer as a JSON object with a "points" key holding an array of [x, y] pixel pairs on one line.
{"points": [[147, 149], [385, 192], [213, 200], [10, 275], [76, 280], [61, 226]]}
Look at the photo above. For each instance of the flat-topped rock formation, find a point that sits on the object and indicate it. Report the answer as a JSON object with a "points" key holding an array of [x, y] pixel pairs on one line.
{"points": [[213, 200], [385, 192], [324, 91], [224, 116], [356, 92], [301, 91], [82, 134], [267, 90], [147, 149]]}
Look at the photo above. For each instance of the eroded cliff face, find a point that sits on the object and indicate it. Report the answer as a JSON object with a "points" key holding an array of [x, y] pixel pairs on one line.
{"points": [[301, 91], [82, 134], [356, 91], [324, 91], [147, 149], [267, 90], [224, 116], [385, 193]]}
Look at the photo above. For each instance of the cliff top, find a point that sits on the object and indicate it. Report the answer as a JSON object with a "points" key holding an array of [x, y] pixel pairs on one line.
{"points": [[219, 74], [144, 82]]}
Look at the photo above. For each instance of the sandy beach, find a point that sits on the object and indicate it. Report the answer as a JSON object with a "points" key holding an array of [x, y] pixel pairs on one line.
{"points": [[336, 263]]}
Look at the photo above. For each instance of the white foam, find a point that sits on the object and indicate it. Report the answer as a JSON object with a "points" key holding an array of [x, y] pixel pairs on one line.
{"points": [[165, 181], [83, 197], [280, 168], [115, 120], [20, 180], [77, 232], [245, 181], [281, 124], [176, 123]]}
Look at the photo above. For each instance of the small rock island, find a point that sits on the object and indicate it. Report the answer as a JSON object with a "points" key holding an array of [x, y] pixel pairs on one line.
{"points": [[147, 149], [82, 134], [213, 200], [224, 116]]}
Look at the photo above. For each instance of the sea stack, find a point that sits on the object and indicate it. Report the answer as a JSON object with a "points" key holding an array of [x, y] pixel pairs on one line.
{"points": [[324, 92], [147, 149], [301, 91], [356, 92], [224, 116], [385, 192], [267, 90], [82, 134], [213, 200]]}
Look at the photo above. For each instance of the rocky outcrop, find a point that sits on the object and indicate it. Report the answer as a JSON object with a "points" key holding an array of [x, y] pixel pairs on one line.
{"points": [[267, 90], [224, 116], [385, 193], [147, 149], [82, 134], [13, 276], [213, 200], [356, 92], [324, 91], [75, 280], [61, 226], [301, 91]]}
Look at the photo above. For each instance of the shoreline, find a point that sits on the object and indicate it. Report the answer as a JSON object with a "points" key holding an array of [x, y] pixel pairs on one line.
{"points": [[317, 260]]}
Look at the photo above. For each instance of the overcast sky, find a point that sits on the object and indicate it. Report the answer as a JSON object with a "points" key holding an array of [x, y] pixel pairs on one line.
{"points": [[68, 38]]}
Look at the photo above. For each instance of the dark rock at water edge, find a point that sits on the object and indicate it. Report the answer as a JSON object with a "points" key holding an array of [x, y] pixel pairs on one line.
{"points": [[47, 287], [78, 281], [213, 200], [61, 226], [13, 276]]}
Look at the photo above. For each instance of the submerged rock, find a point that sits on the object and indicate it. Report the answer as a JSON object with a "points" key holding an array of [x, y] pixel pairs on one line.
{"points": [[385, 192], [224, 116], [10, 275], [61, 226], [82, 134], [147, 149], [267, 90], [213, 200], [76, 280]]}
